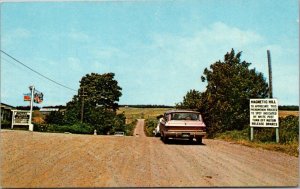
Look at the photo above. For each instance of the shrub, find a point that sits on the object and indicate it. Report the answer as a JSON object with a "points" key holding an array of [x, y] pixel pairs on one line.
{"points": [[289, 129], [78, 128], [130, 128], [5, 124], [150, 125], [55, 118]]}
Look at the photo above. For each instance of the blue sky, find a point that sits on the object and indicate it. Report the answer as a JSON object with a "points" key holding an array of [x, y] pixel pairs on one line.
{"points": [[157, 49]]}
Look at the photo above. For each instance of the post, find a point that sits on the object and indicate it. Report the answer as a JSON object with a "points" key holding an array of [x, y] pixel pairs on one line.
{"points": [[82, 104], [251, 133], [271, 88], [12, 119], [270, 74], [31, 107], [277, 134]]}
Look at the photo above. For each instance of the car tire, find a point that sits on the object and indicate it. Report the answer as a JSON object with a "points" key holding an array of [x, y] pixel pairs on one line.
{"points": [[199, 140], [164, 138]]}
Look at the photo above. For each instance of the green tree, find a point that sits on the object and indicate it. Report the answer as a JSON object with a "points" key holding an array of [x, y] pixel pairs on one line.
{"points": [[192, 100], [230, 85], [55, 117], [101, 90], [100, 94], [72, 114]]}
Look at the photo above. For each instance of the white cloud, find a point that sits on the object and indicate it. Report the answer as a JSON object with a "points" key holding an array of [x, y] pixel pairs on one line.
{"points": [[14, 36], [79, 36], [107, 53], [74, 64]]}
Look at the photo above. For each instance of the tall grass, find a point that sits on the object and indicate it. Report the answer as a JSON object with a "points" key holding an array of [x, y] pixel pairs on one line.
{"points": [[266, 137]]}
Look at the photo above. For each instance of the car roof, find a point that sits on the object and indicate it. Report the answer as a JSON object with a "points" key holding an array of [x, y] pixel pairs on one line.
{"points": [[181, 111]]}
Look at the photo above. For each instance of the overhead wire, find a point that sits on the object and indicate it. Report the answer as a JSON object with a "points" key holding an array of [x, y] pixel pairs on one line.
{"points": [[16, 60]]}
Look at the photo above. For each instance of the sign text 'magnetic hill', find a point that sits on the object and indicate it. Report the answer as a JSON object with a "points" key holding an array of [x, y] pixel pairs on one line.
{"points": [[264, 113]]}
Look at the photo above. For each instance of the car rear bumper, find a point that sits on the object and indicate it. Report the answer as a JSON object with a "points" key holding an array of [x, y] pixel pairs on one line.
{"points": [[184, 134]]}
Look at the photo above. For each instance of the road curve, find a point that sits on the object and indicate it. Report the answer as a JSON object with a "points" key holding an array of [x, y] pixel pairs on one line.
{"points": [[32, 159]]}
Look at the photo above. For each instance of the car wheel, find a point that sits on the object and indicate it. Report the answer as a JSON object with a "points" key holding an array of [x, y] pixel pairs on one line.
{"points": [[164, 138], [199, 140]]}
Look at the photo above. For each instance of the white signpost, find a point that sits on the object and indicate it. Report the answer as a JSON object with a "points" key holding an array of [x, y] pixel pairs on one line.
{"points": [[264, 113], [22, 117]]}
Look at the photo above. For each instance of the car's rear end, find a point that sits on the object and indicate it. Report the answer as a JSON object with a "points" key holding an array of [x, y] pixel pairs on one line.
{"points": [[183, 124]]}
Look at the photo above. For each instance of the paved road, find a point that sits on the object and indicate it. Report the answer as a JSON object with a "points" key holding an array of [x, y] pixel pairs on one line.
{"points": [[31, 159]]}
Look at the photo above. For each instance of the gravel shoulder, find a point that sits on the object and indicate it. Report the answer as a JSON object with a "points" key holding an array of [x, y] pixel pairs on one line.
{"points": [[32, 159]]}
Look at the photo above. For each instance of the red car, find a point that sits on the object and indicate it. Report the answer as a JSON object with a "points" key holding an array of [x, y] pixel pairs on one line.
{"points": [[182, 124]]}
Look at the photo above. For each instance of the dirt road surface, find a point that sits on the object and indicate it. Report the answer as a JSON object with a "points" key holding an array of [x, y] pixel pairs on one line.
{"points": [[32, 159], [139, 129]]}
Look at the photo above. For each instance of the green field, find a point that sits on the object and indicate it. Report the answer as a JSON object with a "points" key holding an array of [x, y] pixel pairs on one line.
{"points": [[145, 113], [141, 113]]}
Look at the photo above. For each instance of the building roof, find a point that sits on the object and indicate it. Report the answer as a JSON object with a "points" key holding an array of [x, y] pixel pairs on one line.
{"points": [[49, 109], [6, 106]]}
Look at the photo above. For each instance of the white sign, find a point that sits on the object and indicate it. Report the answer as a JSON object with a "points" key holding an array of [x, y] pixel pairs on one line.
{"points": [[21, 117], [264, 113]]}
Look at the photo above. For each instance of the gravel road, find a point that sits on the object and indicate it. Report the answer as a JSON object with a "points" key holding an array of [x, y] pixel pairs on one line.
{"points": [[32, 159]]}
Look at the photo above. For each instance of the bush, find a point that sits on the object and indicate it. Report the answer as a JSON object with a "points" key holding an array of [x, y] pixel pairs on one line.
{"points": [[150, 125], [130, 128], [78, 128], [55, 118], [5, 124], [288, 131]]}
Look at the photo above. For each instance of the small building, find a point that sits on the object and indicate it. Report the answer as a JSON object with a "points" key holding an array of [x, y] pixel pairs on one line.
{"points": [[6, 112], [47, 111]]}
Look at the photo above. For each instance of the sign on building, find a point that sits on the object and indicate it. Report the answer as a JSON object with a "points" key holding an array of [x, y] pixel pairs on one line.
{"points": [[264, 113]]}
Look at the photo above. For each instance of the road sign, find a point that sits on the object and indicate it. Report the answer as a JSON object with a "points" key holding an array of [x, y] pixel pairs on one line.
{"points": [[264, 113], [27, 97]]}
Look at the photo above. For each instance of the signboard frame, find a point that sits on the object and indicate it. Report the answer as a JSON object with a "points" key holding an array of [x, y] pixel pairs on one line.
{"points": [[27, 120], [264, 113]]}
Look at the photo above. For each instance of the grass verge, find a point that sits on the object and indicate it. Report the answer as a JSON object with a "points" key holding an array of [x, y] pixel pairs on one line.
{"points": [[242, 137]]}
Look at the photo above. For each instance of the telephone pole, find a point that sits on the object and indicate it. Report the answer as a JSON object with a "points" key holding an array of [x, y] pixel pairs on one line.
{"points": [[83, 94], [31, 88], [271, 88], [270, 75]]}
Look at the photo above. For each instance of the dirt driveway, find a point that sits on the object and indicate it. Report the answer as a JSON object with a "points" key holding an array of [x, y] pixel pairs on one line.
{"points": [[32, 159]]}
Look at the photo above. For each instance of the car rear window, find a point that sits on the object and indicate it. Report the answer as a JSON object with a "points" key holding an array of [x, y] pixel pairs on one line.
{"points": [[185, 116]]}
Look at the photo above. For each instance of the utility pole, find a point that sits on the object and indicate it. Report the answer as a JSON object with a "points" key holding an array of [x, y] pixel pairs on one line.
{"points": [[83, 94], [31, 88], [270, 75], [271, 88]]}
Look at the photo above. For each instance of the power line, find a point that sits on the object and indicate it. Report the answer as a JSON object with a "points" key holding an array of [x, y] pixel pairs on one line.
{"points": [[36, 71]]}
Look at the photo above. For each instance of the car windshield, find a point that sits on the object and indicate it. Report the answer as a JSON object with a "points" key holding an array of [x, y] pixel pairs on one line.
{"points": [[185, 116]]}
